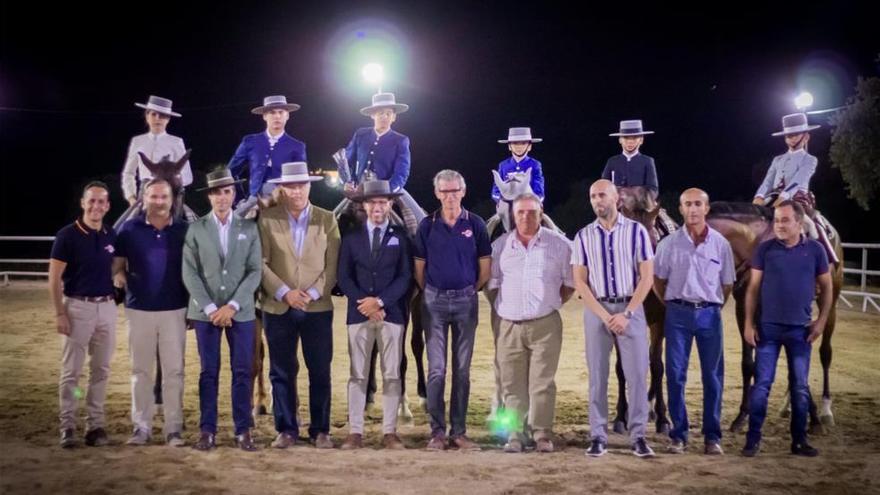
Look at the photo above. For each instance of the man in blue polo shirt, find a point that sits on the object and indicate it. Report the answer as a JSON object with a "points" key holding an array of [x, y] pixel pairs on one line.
{"points": [[452, 262], [81, 261], [149, 254], [785, 271], [694, 274]]}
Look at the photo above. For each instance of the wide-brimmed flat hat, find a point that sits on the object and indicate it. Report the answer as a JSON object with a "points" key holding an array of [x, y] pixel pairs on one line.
{"points": [[294, 172], [631, 128], [384, 100], [221, 177], [374, 189], [273, 102], [159, 105], [520, 135], [795, 123]]}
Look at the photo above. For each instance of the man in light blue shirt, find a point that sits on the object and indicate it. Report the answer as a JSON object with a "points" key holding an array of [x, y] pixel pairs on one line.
{"points": [[694, 273]]}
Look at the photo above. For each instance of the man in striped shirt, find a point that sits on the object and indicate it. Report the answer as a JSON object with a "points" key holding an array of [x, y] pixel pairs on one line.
{"points": [[613, 273]]}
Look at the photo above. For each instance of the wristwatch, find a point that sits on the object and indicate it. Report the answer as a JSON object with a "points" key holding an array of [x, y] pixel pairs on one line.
{"points": [[628, 314], [381, 303]]}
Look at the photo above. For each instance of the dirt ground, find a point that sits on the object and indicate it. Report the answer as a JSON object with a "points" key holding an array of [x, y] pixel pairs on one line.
{"points": [[32, 462]]}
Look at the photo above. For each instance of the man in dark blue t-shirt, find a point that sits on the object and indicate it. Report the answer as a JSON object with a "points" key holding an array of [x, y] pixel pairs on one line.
{"points": [[148, 261], [79, 268], [785, 271], [452, 261]]}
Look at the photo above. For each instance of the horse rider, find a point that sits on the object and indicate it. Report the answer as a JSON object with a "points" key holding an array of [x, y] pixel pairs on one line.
{"points": [[264, 152], [789, 178], [632, 169], [519, 141]]}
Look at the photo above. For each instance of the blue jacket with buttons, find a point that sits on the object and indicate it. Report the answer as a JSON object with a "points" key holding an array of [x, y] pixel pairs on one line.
{"points": [[264, 160], [388, 277], [388, 156]]}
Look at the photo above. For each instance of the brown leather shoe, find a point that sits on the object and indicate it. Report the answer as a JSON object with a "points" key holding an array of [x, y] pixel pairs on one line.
{"points": [[544, 445], [437, 443], [392, 442], [322, 441], [283, 441], [206, 441], [245, 442], [464, 444], [353, 441]]}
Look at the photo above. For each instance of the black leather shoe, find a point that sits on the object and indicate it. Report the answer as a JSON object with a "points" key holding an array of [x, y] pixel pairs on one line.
{"points": [[205, 442], [751, 449], [97, 438], [804, 449], [68, 440], [245, 442]]}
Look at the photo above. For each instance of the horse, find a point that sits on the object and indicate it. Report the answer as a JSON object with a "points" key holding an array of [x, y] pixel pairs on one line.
{"points": [[745, 226], [515, 185], [637, 203], [168, 170]]}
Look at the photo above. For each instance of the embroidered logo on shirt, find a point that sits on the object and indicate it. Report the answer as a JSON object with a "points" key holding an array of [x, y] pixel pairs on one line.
{"points": [[468, 233], [109, 248]]}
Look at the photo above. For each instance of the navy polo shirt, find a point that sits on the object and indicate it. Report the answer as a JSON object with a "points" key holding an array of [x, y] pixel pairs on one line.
{"points": [[788, 285], [451, 254], [89, 257], [155, 261]]}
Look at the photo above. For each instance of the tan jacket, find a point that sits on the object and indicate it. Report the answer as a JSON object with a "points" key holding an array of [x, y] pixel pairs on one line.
{"points": [[315, 268]]}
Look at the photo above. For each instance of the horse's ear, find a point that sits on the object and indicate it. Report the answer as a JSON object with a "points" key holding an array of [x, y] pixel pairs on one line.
{"points": [[151, 166], [528, 176], [180, 163], [498, 181]]}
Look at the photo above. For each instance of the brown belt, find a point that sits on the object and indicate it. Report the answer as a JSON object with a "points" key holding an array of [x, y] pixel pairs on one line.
{"points": [[92, 299]]}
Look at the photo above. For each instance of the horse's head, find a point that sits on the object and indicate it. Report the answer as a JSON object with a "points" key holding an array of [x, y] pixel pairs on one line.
{"points": [[637, 203], [167, 169], [517, 183]]}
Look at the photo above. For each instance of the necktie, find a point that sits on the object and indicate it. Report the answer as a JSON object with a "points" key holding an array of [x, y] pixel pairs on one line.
{"points": [[377, 242]]}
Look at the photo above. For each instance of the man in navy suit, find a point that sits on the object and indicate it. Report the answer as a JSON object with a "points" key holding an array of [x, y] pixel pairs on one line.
{"points": [[264, 152], [375, 273]]}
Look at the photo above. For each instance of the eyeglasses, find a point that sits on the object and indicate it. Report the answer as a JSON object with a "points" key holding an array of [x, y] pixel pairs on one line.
{"points": [[447, 192]]}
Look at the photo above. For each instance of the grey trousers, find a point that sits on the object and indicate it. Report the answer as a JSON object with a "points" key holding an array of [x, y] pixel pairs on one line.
{"points": [[361, 338], [599, 342]]}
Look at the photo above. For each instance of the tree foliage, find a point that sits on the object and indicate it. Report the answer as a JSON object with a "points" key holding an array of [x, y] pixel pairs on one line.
{"points": [[855, 142]]}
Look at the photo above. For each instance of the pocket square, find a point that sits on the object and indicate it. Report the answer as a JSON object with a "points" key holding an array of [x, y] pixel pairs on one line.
{"points": [[393, 241], [241, 237]]}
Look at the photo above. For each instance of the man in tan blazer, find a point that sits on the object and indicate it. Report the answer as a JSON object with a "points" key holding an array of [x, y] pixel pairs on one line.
{"points": [[300, 245]]}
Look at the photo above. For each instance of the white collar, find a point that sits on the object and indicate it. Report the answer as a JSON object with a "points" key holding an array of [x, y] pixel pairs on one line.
{"points": [[630, 157]]}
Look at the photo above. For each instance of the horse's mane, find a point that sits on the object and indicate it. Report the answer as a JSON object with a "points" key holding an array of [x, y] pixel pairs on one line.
{"points": [[732, 209]]}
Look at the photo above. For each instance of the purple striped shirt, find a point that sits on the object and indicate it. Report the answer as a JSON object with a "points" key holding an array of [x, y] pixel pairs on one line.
{"points": [[612, 257]]}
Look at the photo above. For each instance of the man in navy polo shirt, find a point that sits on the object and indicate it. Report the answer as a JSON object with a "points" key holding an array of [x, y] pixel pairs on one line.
{"points": [[81, 260], [149, 254], [786, 271], [452, 261]]}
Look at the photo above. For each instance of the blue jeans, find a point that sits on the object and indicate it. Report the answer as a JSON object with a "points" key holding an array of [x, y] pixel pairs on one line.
{"points": [[684, 325], [240, 337], [282, 335], [442, 310], [772, 337]]}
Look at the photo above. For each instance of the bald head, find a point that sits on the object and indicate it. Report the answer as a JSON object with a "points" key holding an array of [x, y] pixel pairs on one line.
{"points": [[603, 199], [694, 206]]}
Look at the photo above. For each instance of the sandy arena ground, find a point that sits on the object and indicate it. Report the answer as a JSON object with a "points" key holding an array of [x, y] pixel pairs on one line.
{"points": [[32, 462]]}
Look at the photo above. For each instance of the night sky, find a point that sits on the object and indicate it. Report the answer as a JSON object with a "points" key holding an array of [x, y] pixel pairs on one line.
{"points": [[713, 87]]}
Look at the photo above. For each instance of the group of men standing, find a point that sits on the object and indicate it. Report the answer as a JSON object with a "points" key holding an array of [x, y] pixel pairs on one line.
{"points": [[208, 272]]}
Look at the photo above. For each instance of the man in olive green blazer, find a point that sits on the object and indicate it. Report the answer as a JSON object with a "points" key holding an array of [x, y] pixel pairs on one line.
{"points": [[300, 245], [222, 268]]}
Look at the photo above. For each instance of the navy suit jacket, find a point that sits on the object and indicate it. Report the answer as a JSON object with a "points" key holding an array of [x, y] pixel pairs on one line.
{"points": [[388, 277], [387, 156], [265, 161], [640, 171]]}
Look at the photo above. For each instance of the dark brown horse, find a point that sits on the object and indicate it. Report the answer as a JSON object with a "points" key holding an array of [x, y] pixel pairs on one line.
{"points": [[638, 204], [745, 226]]}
